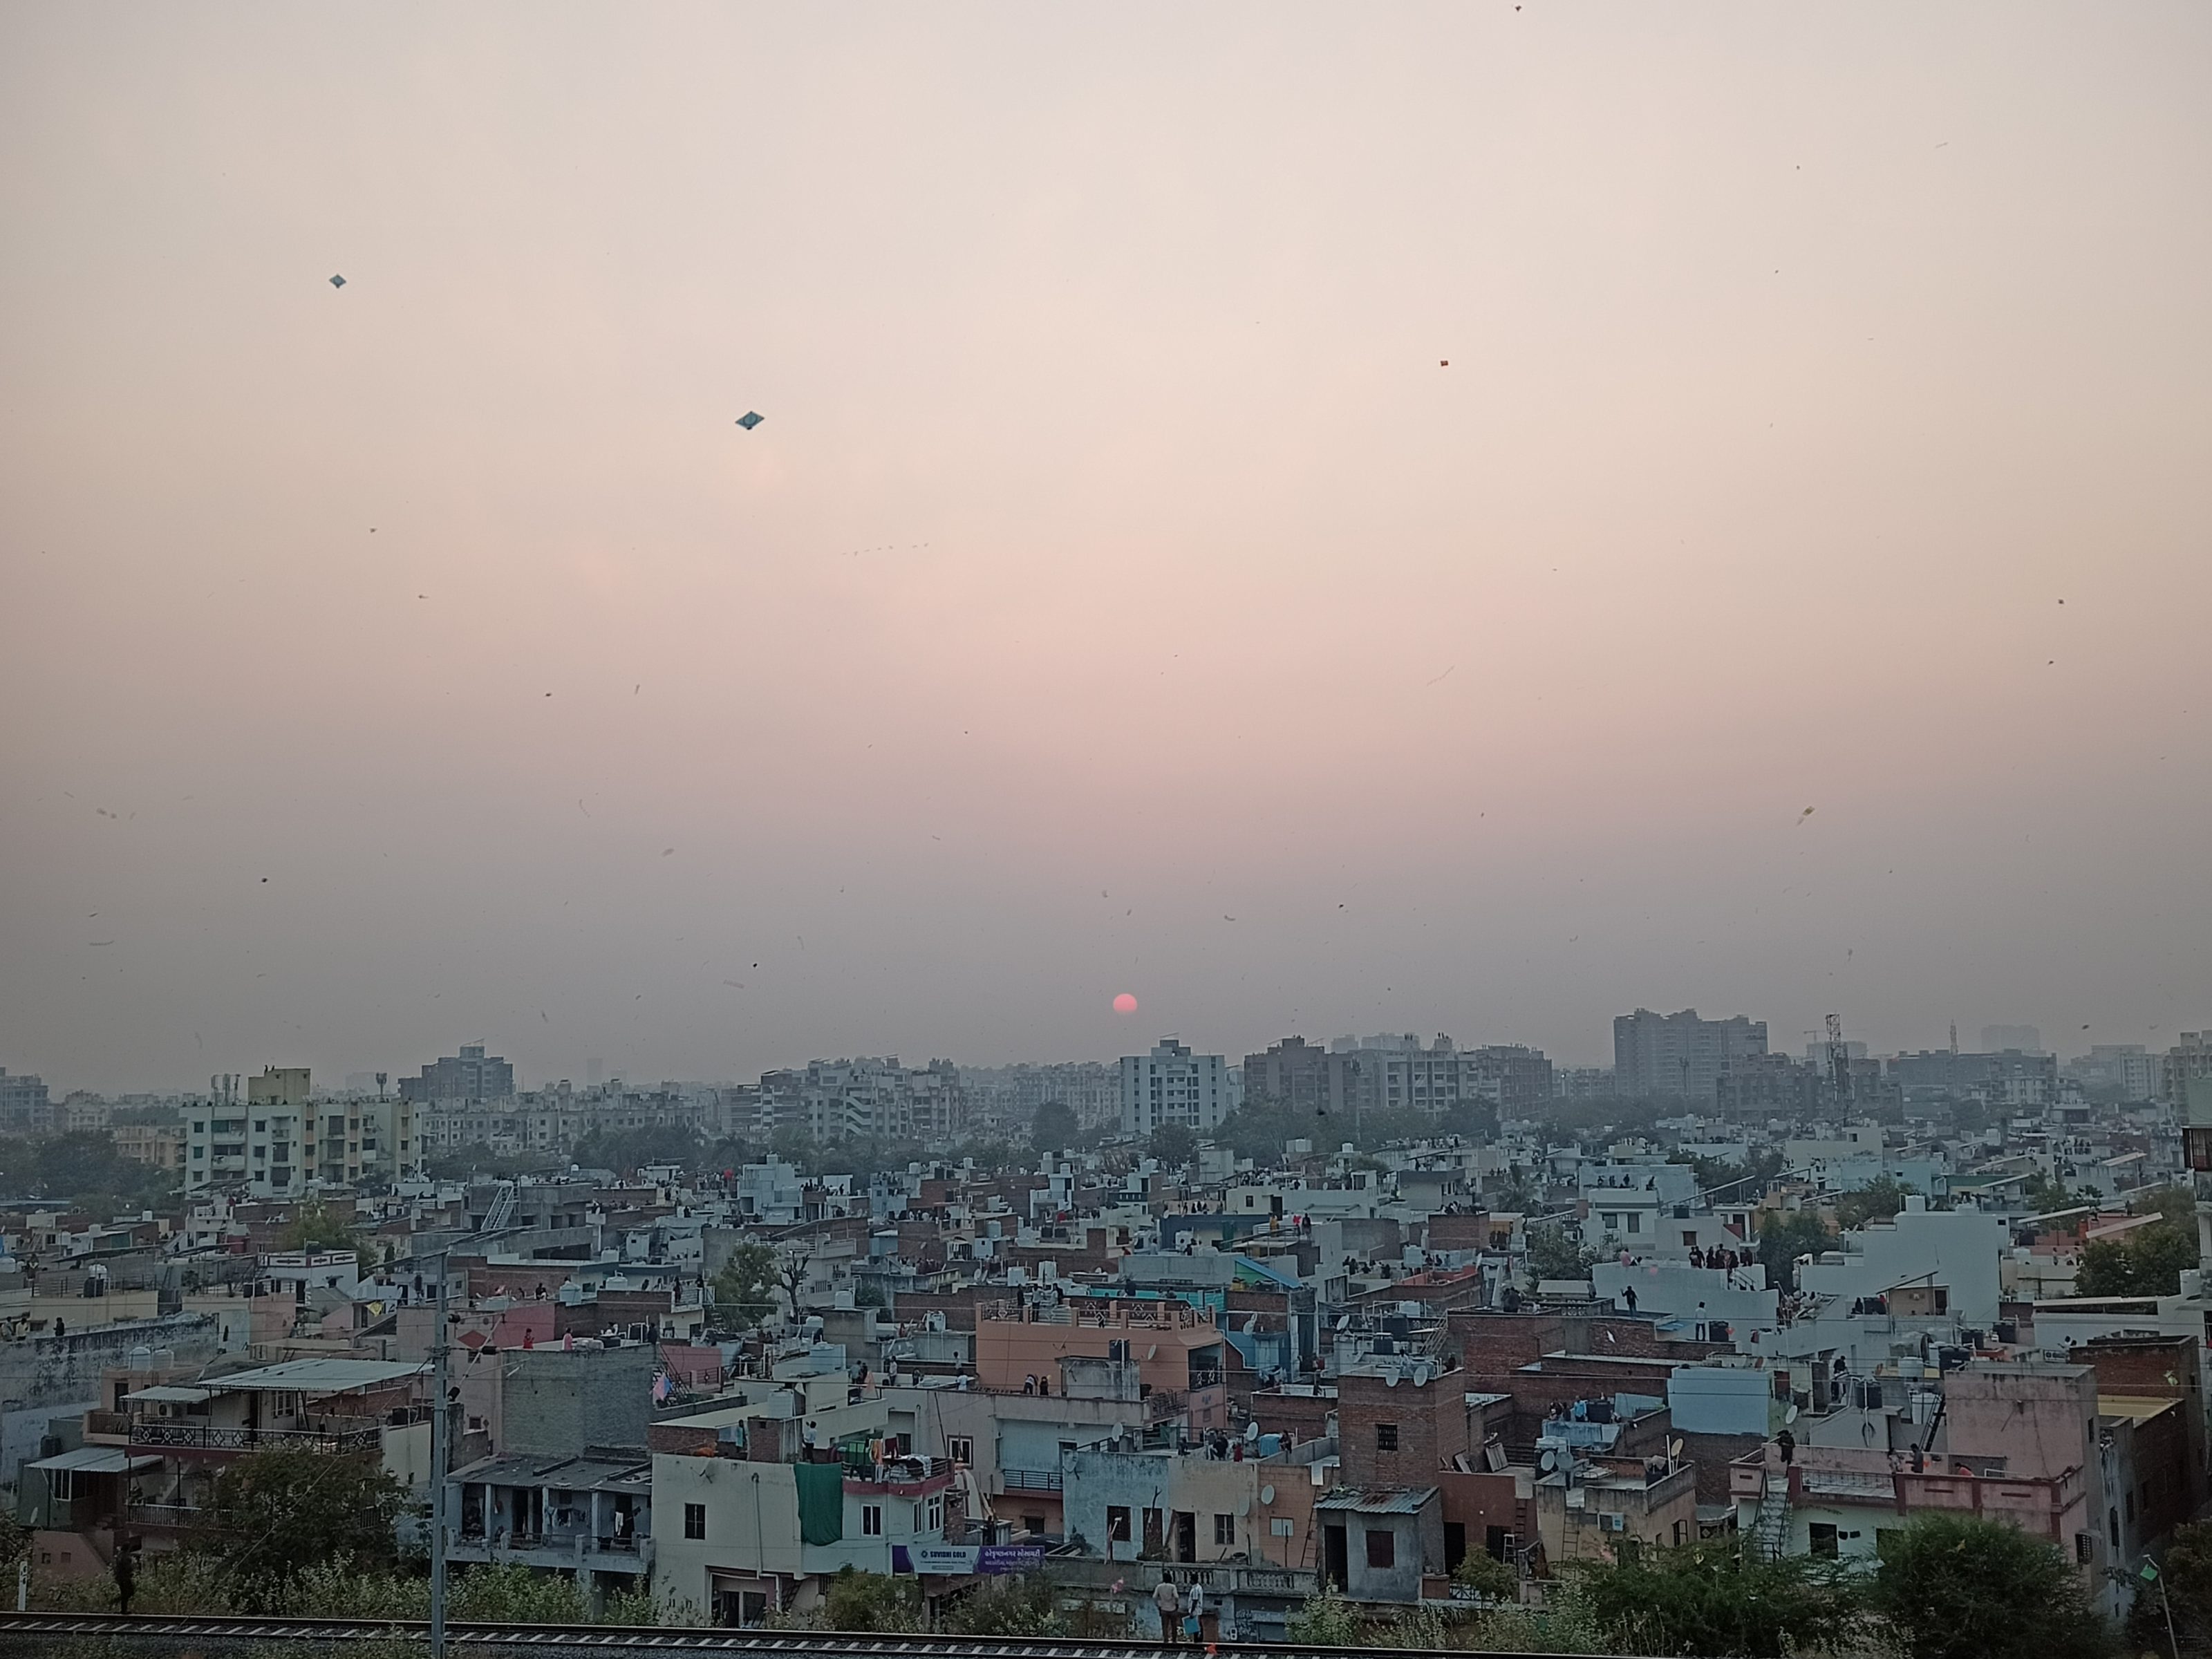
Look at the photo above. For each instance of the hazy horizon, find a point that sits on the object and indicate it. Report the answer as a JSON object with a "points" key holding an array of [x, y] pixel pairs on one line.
{"points": [[1825, 427]]}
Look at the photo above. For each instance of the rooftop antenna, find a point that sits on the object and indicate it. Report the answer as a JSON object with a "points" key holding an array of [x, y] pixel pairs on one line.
{"points": [[1954, 1036], [1839, 1062]]}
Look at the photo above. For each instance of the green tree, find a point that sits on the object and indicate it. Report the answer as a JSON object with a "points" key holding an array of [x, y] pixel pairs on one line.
{"points": [[624, 1150], [1015, 1604], [745, 1288], [857, 1600], [1055, 1127], [1554, 1253], [2149, 1260], [1878, 1200], [1783, 1236], [1259, 1128], [1326, 1620], [1721, 1598], [273, 1513], [84, 1168], [2185, 1579], [316, 1226], [1485, 1574], [1174, 1144], [1953, 1587], [1470, 1119]]}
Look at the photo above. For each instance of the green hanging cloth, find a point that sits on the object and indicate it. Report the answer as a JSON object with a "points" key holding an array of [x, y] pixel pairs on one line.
{"points": [[821, 1502]]}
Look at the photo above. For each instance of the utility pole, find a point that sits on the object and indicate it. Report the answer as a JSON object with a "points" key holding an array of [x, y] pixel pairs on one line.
{"points": [[441, 1433]]}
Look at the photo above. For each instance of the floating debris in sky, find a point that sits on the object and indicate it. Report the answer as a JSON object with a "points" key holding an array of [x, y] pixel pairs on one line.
{"points": [[749, 420]]}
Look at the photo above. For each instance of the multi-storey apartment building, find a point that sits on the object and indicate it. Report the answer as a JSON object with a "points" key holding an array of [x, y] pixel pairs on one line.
{"points": [[1679, 1056], [1173, 1085], [470, 1075], [833, 1099]]}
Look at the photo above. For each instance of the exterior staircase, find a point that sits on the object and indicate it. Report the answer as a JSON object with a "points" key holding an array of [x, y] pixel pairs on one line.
{"points": [[1772, 1528]]}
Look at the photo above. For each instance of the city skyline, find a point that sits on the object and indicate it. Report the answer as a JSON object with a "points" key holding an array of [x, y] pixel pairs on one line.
{"points": [[1809, 1043]]}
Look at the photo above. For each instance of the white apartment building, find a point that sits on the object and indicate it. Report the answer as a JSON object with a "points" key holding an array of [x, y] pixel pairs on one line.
{"points": [[1173, 1085], [833, 1099], [276, 1147]]}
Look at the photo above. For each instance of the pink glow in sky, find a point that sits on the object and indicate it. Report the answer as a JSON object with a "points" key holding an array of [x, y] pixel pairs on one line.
{"points": [[1125, 1003], [1114, 528]]}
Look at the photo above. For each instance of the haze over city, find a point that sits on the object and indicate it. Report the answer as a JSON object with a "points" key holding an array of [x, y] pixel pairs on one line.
{"points": [[1318, 521]]}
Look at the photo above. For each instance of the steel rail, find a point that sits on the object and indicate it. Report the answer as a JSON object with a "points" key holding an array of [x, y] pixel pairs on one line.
{"points": [[169, 1629]]}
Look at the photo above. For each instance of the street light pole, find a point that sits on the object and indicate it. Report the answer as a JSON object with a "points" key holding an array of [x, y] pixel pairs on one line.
{"points": [[441, 1433]]}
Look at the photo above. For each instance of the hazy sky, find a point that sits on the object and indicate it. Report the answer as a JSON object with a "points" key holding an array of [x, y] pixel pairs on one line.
{"points": [[433, 659]]}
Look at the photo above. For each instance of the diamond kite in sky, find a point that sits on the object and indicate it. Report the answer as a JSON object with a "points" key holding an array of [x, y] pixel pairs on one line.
{"points": [[338, 282], [749, 420]]}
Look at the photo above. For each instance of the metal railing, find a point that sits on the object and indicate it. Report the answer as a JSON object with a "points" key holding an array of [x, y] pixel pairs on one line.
{"points": [[1032, 1479], [173, 1515], [200, 1436]]}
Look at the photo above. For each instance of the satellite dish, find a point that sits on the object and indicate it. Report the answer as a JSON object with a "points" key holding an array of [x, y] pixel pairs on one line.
{"points": [[1675, 1449], [1789, 1416], [1266, 1494], [1547, 1460]]}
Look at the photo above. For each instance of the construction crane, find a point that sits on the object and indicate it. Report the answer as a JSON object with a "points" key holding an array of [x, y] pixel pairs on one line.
{"points": [[1839, 1061]]}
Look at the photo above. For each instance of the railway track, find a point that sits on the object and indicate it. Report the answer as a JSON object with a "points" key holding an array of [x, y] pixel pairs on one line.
{"points": [[40, 1632]]}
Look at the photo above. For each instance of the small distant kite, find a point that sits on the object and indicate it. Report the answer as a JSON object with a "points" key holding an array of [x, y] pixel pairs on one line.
{"points": [[749, 420], [338, 282]]}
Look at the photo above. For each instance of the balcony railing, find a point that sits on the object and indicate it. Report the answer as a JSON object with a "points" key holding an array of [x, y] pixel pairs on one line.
{"points": [[1165, 1402], [174, 1518], [202, 1437], [1032, 1479]]}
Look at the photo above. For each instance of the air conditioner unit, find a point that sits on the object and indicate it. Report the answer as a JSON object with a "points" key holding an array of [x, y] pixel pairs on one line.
{"points": [[1609, 1522]]}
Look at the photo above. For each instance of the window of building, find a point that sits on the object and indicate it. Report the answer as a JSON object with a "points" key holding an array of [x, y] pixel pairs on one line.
{"points": [[1224, 1531], [1117, 1523], [694, 1521], [933, 1516], [961, 1448], [1386, 1437], [872, 1520], [1381, 1547], [1821, 1540]]}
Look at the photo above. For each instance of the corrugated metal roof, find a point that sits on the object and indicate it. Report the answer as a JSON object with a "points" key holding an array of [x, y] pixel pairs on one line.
{"points": [[1377, 1500], [563, 1473], [331, 1376], [99, 1459], [170, 1394]]}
